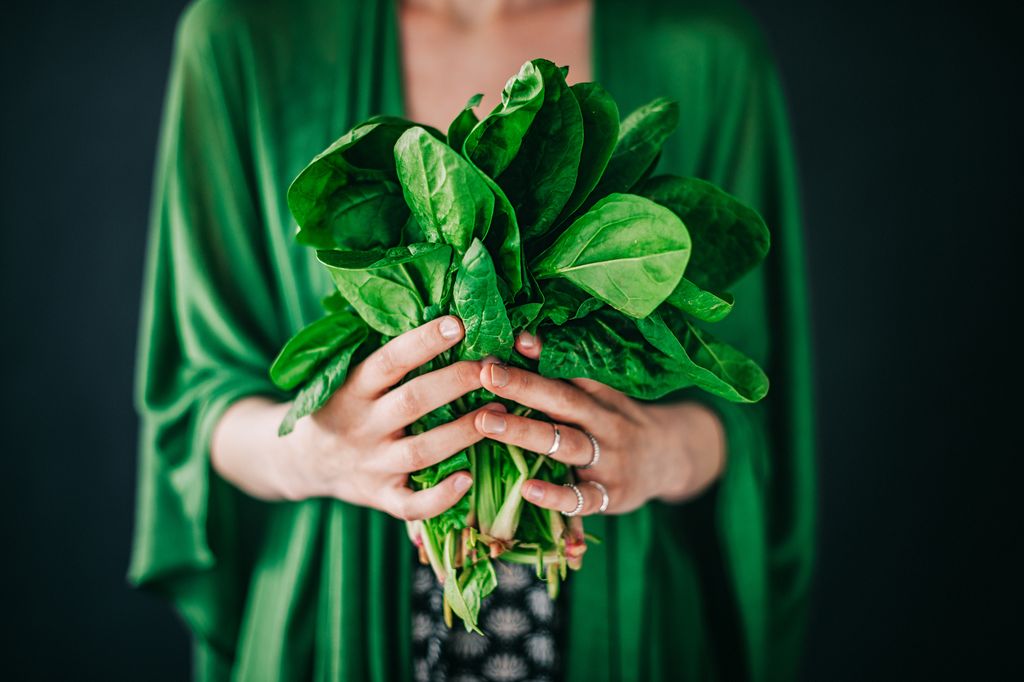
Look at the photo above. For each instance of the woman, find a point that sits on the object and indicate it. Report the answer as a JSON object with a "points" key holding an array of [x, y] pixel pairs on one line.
{"points": [[283, 555]]}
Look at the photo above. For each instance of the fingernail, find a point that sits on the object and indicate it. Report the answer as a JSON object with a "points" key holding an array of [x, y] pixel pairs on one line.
{"points": [[493, 422], [499, 375], [450, 329], [462, 483], [527, 340], [534, 493], [490, 360]]}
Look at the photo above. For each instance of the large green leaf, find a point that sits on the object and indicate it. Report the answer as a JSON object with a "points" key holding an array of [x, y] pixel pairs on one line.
{"points": [[311, 347], [463, 123], [445, 193], [600, 134], [641, 136], [648, 359], [541, 177], [325, 381], [478, 303], [495, 140], [363, 154], [606, 346], [729, 237], [359, 215], [391, 289], [705, 361], [626, 250], [503, 240], [704, 305]]}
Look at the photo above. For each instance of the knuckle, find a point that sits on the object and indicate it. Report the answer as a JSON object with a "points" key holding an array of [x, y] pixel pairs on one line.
{"points": [[562, 400], [467, 374], [405, 510], [429, 339], [413, 456], [385, 361], [408, 401]]}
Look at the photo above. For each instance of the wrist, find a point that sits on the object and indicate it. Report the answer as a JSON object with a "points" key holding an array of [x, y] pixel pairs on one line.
{"points": [[695, 446]]}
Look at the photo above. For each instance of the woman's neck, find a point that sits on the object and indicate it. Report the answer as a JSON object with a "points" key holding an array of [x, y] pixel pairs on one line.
{"points": [[476, 12]]}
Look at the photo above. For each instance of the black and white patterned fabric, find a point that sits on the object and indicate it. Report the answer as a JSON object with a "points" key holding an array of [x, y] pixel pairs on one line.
{"points": [[521, 622]]}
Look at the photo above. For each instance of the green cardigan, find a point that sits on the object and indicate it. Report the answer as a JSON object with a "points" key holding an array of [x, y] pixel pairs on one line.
{"points": [[716, 588]]}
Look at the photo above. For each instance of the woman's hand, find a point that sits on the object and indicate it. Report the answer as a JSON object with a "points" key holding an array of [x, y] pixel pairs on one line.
{"points": [[668, 452], [355, 448]]}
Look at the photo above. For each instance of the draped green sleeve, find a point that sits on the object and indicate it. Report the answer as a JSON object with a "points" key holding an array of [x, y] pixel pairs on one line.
{"points": [[206, 336], [716, 588]]}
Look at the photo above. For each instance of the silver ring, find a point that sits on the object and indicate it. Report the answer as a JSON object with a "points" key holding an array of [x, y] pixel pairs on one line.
{"points": [[595, 457], [579, 499], [556, 442], [604, 496]]}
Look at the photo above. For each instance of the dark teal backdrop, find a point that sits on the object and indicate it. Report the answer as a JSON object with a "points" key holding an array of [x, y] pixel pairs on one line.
{"points": [[907, 121]]}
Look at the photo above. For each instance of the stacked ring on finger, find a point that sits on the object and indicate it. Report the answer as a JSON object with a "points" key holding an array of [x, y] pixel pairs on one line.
{"points": [[604, 496], [579, 500], [578, 509], [595, 455], [556, 442]]}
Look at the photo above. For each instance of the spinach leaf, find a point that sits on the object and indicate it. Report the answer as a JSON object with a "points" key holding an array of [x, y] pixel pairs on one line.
{"points": [[463, 124], [641, 136], [626, 250], [328, 379], [363, 215], [541, 177], [334, 302], [503, 240], [563, 302], [730, 237], [702, 304], [361, 155], [433, 475], [606, 346], [391, 289], [478, 303], [310, 347], [495, 140], [451, 202], [600, 134], [647, 358], [705, 361]]}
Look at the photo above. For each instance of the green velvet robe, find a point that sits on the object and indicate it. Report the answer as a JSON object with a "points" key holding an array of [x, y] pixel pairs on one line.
{"points": [[716, 588]]}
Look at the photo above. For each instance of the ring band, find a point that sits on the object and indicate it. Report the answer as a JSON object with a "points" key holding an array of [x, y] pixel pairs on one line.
{"points": [[604, 496], [556, 442], [579, 499], [595, 456]]}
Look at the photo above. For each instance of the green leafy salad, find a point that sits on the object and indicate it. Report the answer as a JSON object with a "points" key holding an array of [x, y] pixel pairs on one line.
{"points": [[544, 216]]}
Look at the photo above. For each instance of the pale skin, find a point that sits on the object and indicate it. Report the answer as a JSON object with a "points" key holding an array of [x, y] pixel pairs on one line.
{"points": [[356, 449]]}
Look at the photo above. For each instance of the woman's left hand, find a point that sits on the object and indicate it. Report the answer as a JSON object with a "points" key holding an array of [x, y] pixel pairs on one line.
{"points": [[647, 451]]}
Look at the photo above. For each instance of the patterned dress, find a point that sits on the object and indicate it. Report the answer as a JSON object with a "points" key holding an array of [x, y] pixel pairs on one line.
{"points": [[522, 626]]}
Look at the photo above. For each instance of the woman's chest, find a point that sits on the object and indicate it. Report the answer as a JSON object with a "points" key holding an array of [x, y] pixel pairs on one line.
{"points": [[444, 63]]}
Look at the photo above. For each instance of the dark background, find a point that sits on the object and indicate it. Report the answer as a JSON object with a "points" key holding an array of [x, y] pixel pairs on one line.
{"points": [[907, 121]]}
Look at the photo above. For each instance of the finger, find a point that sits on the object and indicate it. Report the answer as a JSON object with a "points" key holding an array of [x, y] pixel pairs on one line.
{"points": [[386, 366], [426, 504], [413, 399], [528, 345], [560, 497], [557, 399], [413, 453], [603, 393], [536, 436]]}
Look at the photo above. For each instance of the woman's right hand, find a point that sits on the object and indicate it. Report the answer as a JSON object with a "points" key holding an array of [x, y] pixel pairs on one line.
{"points": [[356, 449]]}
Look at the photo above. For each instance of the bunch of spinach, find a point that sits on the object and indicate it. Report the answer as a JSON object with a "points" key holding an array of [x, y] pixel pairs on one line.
{"points": [[542, 216]]}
